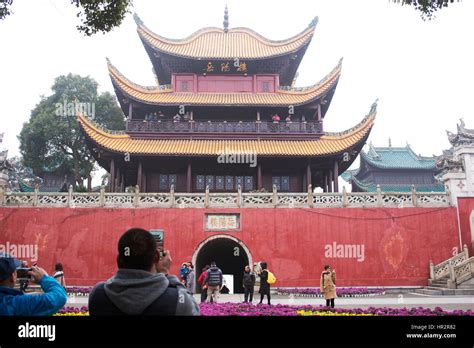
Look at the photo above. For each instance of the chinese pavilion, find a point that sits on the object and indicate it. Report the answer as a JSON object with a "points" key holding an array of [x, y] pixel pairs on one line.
{"points": [[395, 169], [225, 96]]}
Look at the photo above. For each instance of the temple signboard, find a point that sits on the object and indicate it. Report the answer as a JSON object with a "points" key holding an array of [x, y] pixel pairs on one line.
{"points": [[222, 222], [232, 66]]}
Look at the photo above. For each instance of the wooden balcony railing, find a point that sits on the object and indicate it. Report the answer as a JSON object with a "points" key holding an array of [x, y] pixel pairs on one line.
{"points": [[169, 126]]}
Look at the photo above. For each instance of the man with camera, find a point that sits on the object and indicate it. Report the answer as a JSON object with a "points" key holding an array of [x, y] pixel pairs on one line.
{"points": [[14, 302], [142, 284]]}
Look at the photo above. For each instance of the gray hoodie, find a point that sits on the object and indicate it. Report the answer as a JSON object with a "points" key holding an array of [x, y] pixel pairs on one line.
{"points": [[132, 291]]}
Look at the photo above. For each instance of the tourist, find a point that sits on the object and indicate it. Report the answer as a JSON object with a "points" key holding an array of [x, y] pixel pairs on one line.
{"points": [[328, 285], [214, 282], [183, 273], [177, 118], [141, 285], [224, 289], [14, 302], [288, 119], [24, 282], [264, 285], [276, 118], [248, 283], [59, 274], [161, 115], [203, 284], [190, 279]]}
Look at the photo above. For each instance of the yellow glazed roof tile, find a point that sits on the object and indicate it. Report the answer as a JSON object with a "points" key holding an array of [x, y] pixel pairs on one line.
{"points": [[155, 95], [330, 143], [216, 43]]}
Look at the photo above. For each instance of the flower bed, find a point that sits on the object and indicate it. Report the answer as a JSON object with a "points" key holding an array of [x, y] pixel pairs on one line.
{"points": [[69, 311], [341, 292], [78, 291], [245, 309]]}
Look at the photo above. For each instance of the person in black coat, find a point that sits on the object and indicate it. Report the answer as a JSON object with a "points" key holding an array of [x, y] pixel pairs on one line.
{"points": [[264, 286], [248, 283]]}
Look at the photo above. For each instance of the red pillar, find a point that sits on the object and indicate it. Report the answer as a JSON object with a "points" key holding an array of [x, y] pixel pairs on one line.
{"points": [[259, 176], [308, 177], [336, 176], [330, 181], [144, 181], [112, 176], [139, 175], [189, 181], [117, 180], [325, 187]]}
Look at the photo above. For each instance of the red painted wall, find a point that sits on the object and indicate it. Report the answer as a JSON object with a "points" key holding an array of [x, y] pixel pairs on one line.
{"points": [[398, 242], [466, 208], [224, 83], [230, 83]]}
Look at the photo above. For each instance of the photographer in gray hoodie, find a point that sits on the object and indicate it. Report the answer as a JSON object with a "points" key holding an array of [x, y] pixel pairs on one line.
{"points": [[141, 285]]}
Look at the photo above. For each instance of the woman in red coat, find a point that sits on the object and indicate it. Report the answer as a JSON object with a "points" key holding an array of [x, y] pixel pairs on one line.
{"points": [[203, 285]]}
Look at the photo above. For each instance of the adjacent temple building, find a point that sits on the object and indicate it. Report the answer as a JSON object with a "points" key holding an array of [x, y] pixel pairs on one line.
{"points": [[224, 96], [394, 169]]}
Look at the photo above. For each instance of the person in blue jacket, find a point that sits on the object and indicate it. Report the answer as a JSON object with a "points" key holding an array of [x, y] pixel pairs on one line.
{"points": [[14, 302]]}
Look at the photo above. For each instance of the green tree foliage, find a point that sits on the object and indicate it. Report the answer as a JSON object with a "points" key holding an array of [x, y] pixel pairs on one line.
{"points": [[427, 7], [51, 139], [101, 16], [5, 8], [95, 15]]}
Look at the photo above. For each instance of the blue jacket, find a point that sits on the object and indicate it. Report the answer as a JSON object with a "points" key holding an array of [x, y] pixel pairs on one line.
{"points": [[14, 302]]}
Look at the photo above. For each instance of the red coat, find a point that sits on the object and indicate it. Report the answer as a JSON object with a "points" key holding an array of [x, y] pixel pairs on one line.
{"points": [[201, 280]]}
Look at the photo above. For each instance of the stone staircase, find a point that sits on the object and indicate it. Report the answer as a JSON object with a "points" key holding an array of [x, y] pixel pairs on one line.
{"points": [[454, 276]]}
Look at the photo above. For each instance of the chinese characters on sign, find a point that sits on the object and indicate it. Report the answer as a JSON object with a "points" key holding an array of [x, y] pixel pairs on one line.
{"points": [[222, 222], [227, 67]]}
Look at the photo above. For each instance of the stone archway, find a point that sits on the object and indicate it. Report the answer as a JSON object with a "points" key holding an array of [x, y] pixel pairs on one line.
{"points": [[230, 254]]}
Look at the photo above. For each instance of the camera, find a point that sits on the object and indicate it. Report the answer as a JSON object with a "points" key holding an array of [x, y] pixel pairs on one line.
{"points": [[22, 273]]}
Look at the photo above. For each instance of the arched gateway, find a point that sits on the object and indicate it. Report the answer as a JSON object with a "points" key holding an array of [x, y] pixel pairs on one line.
{"points": [[230, 254]]}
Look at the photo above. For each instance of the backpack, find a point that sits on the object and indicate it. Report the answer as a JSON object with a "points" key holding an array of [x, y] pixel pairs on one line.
{"points": [[271, 278]]}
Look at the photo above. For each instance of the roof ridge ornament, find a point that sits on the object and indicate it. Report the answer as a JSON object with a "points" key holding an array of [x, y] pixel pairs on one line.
{"points": [[226, 19], [373, 108], [314, 22], [137, 19]]}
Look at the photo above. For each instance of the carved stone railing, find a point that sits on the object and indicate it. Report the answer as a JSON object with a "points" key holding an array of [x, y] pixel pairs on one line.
{"points": [[206, 199], [199, 126], [456, 269], [464, 271]]}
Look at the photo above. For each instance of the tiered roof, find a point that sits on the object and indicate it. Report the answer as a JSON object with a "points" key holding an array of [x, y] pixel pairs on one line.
{"points": [[160, 96], [328, 144], [397, 158], [218, 43], [392, 158]]}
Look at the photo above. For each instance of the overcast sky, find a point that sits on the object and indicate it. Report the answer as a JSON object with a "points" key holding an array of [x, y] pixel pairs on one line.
{"points": [[422, 72]]}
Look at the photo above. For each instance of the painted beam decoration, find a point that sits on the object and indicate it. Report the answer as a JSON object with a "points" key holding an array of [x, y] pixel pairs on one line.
{"points": [[222, 222]]}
